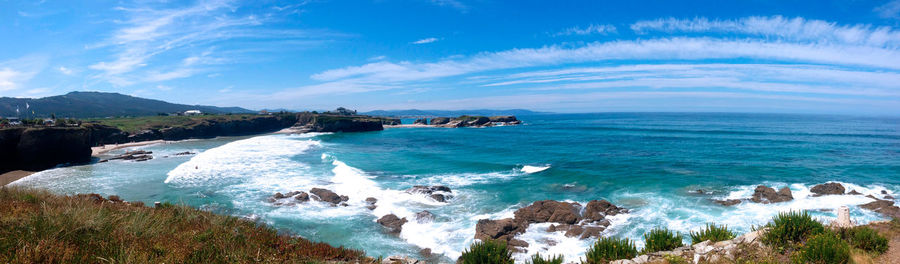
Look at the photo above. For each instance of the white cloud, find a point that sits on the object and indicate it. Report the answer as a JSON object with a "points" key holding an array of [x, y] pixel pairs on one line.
{"points": [[65, 70], [164, 87], [424, 41], [589, 30], [796, 29], [9, 78], [15, 73], [889, 10]]}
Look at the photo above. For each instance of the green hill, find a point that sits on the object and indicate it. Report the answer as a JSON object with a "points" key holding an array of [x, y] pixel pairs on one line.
{"points": [[99, 104]]}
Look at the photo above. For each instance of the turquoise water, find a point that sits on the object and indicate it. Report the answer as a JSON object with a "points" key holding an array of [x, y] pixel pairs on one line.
{"points": [[649, 163]]}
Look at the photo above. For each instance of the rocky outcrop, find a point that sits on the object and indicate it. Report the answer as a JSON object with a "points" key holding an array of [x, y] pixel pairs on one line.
{"points": [[831, 188], [421, 121], [440, 121], [727, 202], [370, 203], [325, 195], [393, 223], [569, 218], [704, 252], [137, 155], [390, 121], [337, 123], [438, 193], [884, 207], [42, 148], [765, 194], [424, 217], [503, 119]]}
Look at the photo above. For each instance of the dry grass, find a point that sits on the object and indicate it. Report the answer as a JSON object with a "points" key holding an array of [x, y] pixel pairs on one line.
{"points": [[39, 227]]}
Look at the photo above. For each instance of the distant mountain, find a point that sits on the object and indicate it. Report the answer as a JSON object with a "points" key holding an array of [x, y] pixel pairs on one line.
{"points": [[449, 113], [99, 104]]}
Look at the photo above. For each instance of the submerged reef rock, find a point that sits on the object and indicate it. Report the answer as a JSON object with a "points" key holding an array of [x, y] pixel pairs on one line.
{"points": [[727, 202], [424, 217], [764, 194], [831, 188], [438, 193], [137, 155], [568, 216], [393, 223]]}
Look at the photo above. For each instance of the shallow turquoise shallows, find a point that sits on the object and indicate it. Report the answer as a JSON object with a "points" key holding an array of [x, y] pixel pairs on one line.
{"points": [[650, 163]]}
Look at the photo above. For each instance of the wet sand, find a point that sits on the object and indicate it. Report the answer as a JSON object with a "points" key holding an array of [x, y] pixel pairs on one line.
{"points": [[12, 176]]}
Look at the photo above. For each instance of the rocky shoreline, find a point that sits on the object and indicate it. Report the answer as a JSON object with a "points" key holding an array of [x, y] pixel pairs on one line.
{"points": [[465, 121]]}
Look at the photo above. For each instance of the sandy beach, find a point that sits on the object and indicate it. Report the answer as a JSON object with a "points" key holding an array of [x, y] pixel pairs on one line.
{"points": [[110, 147], [12, 176]]}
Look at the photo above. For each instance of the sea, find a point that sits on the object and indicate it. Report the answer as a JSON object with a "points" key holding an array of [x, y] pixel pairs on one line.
{"points": [[666, 168]]}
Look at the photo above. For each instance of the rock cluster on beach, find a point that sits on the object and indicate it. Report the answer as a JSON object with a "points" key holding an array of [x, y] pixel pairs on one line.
{"points": [[136, 155], [566, 216]]}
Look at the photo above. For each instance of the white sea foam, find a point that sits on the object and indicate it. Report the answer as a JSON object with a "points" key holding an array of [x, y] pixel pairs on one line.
{"points": [[534, 169], [253, 158]]}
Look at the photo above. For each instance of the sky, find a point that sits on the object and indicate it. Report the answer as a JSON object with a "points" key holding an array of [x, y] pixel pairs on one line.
{"points": [[782, 56]]}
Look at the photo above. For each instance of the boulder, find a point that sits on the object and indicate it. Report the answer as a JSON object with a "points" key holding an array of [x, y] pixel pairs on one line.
{"points": [[503, 229], [370, 203], [884, 207], [393, 223], [727, 202], [854, 192], [328, 196], [421, 121], [765, 194], [831, 188], [549, 211], [302, 197], [598, 210], [424, 217]]}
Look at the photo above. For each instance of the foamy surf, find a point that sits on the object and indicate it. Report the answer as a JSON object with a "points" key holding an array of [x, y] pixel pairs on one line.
{"points": [[534, 169]]}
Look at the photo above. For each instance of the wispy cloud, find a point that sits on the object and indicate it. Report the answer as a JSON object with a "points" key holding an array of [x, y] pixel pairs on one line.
{"points": [[66, 71], [589, 30], [15, 73], [143, 47], [452, 3], [889, 10], [795, 29], [424, 41]]}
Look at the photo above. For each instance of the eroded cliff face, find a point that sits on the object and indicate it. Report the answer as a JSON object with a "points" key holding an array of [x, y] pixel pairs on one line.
{"points": [[43, 147]]}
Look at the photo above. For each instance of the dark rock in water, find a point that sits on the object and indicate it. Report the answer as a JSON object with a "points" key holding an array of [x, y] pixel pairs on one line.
{"points": [[598, 210], [327, 196], [278, 195], [728, 202], [764, 194], [392, 222], [503, 229], [549, 211], [302, 197], [184, 153], [592, 231], [390, 121], [574, 231], [370, 203], [516, 244], [421, 121], [424, 217], [831, 188], [440, 121], [854, 192], [884, 192], [425, 252], [438, 192], [884, 207], [888, 197]]}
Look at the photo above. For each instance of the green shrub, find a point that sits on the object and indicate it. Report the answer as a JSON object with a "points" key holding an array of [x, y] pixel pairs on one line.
{"points": [[865, 238], [791, 228], [712, 233], [675, 259], [487, 252], [537, 259], [661, 239], [825, 248], [610, 248]]}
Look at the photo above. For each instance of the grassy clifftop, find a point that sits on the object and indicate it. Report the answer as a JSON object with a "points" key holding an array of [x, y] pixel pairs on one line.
{"points": [[39, 227], [134, 124]]}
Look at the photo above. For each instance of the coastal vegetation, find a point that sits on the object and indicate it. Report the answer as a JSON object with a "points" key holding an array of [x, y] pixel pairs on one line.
{"points": [[487, 252], [610, 248], [40, 227], [712, 232], [550, 259], [661, 239]]}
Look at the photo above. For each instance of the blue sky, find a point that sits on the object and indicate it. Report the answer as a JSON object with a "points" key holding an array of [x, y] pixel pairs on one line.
{"points": [[565, 56]]}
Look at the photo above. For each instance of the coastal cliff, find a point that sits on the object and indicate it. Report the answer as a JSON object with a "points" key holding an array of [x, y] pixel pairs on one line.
{"points": [[39, 148], [43, 147]]}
